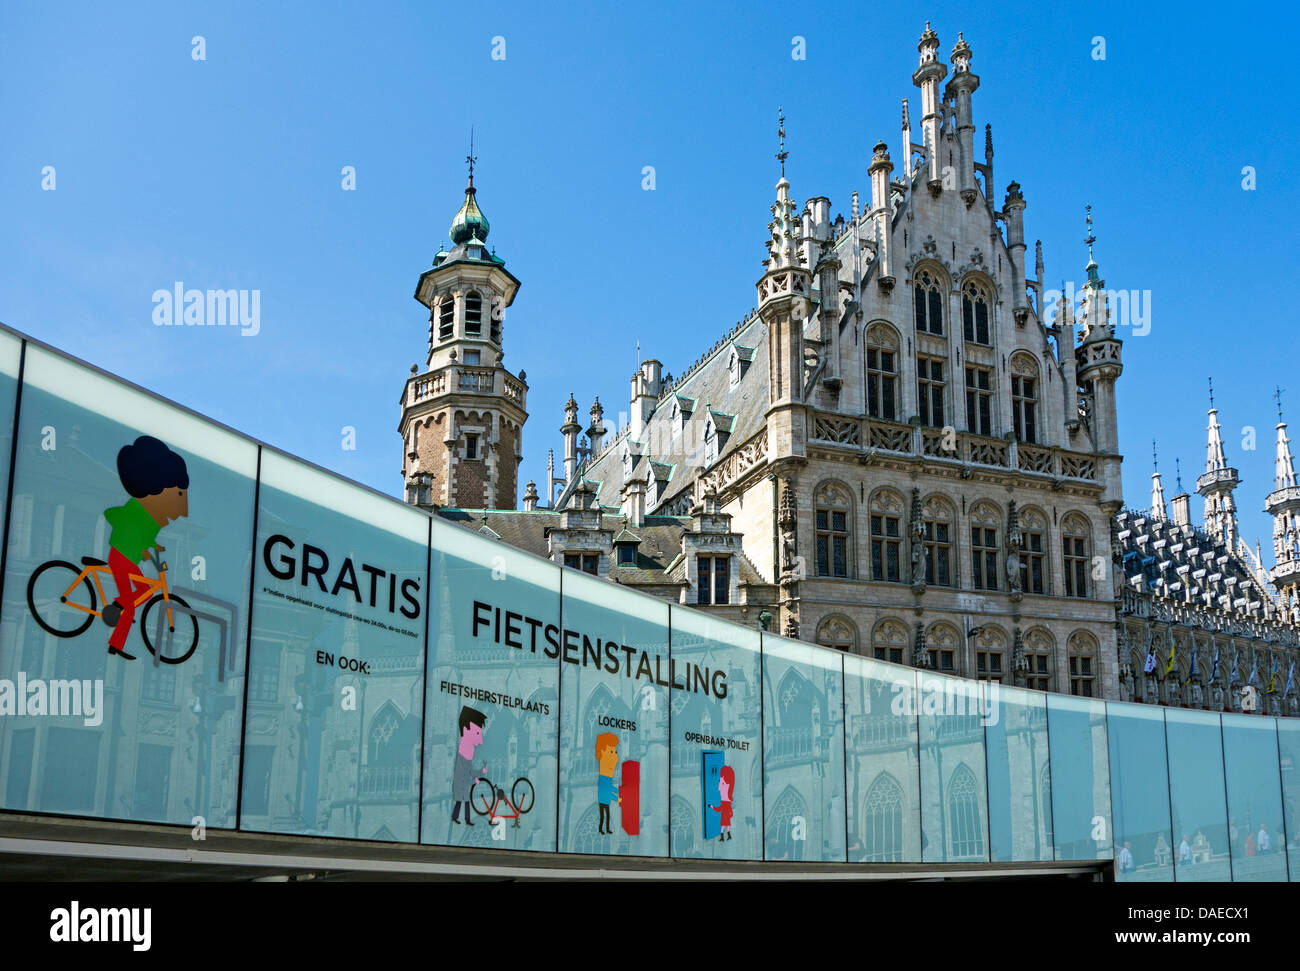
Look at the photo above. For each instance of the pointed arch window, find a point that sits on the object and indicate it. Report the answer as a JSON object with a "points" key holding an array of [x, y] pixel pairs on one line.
{"points": [[965, 822], [1033, 552], [883, 818], [882, 373], [975, 313], [1038, 657], [1083, 661], [985, 526], [1076, 541], [930, 389], [889, 641], [927, 297], [838, 633], [990, 654], [1024, 398], [886, 536], [937, 520], [473, 314], [832, 516], [941, 645]]}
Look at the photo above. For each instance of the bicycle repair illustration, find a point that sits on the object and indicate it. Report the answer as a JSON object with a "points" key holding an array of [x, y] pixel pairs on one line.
{"points": [[473, 789], [65, 599]]}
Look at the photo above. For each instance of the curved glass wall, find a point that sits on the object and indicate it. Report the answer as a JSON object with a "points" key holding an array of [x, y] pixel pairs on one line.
{"points": [[307, 657]]}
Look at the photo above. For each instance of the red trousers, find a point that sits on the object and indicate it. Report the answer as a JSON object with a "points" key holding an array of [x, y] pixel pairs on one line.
{"points": [[127, 591]]}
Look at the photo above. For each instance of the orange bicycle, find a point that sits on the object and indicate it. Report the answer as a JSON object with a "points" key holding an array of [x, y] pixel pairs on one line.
{"points": [[52, 596]]}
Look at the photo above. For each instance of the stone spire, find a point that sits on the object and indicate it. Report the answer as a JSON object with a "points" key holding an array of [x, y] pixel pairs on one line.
{"points": [[1283, 504], [1100, 363], [1157, 490], [570, 430], [1217, 483], [929, 72], [596, 430]]}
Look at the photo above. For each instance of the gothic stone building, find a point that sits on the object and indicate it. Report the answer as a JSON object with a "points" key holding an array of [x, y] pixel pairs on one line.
{"points": [[899, 453]]}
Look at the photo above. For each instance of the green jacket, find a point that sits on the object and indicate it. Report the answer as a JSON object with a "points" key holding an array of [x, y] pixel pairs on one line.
{"points": [[134, 530]]}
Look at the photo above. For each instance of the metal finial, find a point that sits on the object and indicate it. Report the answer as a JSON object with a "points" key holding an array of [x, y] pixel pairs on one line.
{"points": [[1211, 393], [471, 158], [1178, 473], [1155, 462], [782, 155], [1090, 238], [1277, 396]]}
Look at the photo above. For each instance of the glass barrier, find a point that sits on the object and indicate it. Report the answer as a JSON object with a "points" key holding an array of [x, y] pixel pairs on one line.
{"points": [[614, 720], [332, 739], [1080, 778], [491, 739], [1255, 829], [125, 603], [954, 801], [1139, 781], [11, 349], [1020, 784], [883, 795], [1196, 796], [716, 787], [1288, 743], [803, 752]]}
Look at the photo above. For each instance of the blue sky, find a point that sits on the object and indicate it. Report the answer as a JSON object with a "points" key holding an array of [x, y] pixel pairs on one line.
{"points": [[225, 173]]}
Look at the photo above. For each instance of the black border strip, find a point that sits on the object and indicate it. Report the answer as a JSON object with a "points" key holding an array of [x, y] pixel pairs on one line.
{"points": [[13, 461], [248, 648]]}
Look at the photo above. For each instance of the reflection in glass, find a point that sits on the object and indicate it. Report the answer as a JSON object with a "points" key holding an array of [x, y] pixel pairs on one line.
{"points": [[1140, 793], [1020, 787], [1288, 738], [163, 744], [1255, 831], [883, 798], [954, 806], [613, 723], [803, 752], [1196, 794], [1080, 776], [717, 768], [492, 697]]}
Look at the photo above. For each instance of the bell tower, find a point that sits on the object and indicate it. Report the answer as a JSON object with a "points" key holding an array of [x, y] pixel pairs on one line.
{"points": [[463, 414]]}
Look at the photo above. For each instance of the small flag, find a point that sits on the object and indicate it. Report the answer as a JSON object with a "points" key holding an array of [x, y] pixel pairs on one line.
{"points": [[1272, 681], [1254, 671], [1151, 660], [1214, 670], [1191, 674], [1173, 654], [1290, 680]]}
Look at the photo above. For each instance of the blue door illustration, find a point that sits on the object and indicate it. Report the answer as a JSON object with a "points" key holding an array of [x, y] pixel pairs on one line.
{"points": [[710, 775]]}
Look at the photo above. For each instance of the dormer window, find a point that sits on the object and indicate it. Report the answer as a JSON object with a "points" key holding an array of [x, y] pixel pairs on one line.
{"points": [[733, 369], [710, 441], [627, 462]]}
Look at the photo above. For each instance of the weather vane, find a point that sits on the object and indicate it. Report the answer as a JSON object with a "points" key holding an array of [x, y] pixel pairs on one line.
{"points": [[1277, 396], [1155, 462], [1090, 239], [1178, 473], [783, 154], [471, 158], [1211, 392]]}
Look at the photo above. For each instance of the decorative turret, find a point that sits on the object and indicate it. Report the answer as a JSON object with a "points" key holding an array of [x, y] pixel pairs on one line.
{"points": [[962, 86], [879, 171], [1283, 504], [463, 417], [927, 76], [596, 430], [1013, 208], [570, 430], [1217, 483], [1099, 366], [783, 303]]}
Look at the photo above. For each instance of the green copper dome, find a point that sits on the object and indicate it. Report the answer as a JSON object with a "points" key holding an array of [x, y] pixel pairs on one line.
{"points": [[470, 221]]}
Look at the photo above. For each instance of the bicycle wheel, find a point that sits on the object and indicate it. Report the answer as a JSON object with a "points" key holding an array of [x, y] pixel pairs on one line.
{"points": [[49, 606], [184, 625], [482, 796], [522, 796]]}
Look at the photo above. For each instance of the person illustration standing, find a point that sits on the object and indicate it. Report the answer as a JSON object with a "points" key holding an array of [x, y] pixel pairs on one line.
{"points": [[1184, 851], [463, 776], [1126, 858], [1262, 840], [726, 789], [606, 791], [158, 483]]}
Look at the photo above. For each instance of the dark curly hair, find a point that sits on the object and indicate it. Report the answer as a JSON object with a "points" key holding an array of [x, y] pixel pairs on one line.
{"points": [[147, 467]]}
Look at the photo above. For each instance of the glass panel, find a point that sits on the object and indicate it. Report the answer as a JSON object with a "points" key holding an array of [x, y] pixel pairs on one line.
{"points": [[1250, 751], [1196, 795], [160, 744], [614, 722], [1020, 787], [1140, 793], [338, 608], [1288, 737], [717, 779], [803, 752], [492, 697], [1076, 735], [954, 805], [883, 787]]}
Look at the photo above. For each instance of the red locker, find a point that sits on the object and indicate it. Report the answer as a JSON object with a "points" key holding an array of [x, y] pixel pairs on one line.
{"points": [[630, 793]]}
